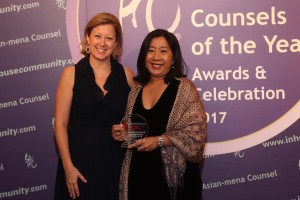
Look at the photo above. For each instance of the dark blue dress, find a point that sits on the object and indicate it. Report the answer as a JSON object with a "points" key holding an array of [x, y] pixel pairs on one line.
{"points": [[93, 151]]}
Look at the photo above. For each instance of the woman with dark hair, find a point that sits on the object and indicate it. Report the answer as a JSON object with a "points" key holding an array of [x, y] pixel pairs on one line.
{"points": [[91, 96], [165, 164]]}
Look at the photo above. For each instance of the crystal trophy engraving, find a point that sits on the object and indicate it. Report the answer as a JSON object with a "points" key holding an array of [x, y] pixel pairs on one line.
{"points": [[135, 128]]}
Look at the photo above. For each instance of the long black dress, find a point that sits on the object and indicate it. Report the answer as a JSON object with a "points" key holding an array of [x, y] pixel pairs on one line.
{"points": [[93, 151], [146, 180]]}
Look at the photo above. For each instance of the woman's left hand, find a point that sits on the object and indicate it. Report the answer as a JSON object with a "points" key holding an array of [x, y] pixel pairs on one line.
{"points": [[145, 144]]}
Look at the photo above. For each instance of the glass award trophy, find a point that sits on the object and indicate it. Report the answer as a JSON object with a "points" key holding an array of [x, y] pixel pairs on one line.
{"points": [[135, 128]]}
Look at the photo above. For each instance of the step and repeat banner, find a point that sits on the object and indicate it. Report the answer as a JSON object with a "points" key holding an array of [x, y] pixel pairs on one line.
{"points": [[243, 56]]}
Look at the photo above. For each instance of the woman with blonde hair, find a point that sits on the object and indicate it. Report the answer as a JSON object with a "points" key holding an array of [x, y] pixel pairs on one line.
{"points": [[91, 97]]}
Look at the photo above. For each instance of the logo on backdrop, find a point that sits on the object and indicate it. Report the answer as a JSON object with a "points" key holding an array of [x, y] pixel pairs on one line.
{"points": [[239, 154], [1, 167], [29, 161], [241, 94], [61, 4]]}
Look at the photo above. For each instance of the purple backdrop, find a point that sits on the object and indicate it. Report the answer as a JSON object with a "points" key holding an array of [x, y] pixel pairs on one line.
{"points": [[243, 57]]}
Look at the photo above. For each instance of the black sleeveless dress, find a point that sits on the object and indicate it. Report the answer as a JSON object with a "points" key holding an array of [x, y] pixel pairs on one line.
{"points": [[146, 179], [93, 151]]}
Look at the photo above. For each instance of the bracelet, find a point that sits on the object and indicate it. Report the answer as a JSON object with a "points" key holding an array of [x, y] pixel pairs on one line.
{"points": [[160, 141]]}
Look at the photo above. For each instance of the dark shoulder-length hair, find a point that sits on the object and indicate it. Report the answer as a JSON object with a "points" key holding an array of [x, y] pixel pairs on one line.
{"points": [[179, 68]]}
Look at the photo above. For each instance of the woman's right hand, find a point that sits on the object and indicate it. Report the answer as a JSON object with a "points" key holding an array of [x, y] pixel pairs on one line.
{"points": [[116, 132], [72, 175]]}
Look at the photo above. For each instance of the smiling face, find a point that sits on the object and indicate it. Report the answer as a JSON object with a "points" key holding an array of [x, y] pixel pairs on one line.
{"points": [[102, 42], [159, 58]]}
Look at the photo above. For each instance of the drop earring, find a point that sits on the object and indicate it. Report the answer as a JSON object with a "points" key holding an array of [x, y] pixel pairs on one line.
{"points": [[87, 50]]}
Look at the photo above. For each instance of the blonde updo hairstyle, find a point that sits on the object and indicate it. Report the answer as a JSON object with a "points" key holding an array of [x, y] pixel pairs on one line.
{"points": [[104, 19]]}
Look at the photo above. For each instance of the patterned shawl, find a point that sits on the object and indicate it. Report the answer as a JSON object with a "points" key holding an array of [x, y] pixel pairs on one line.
{"points": [[187, 130]]}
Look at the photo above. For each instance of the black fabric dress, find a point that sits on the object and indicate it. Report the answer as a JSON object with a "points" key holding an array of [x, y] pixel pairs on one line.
{"points": [[93, 151], [146, 179]]}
